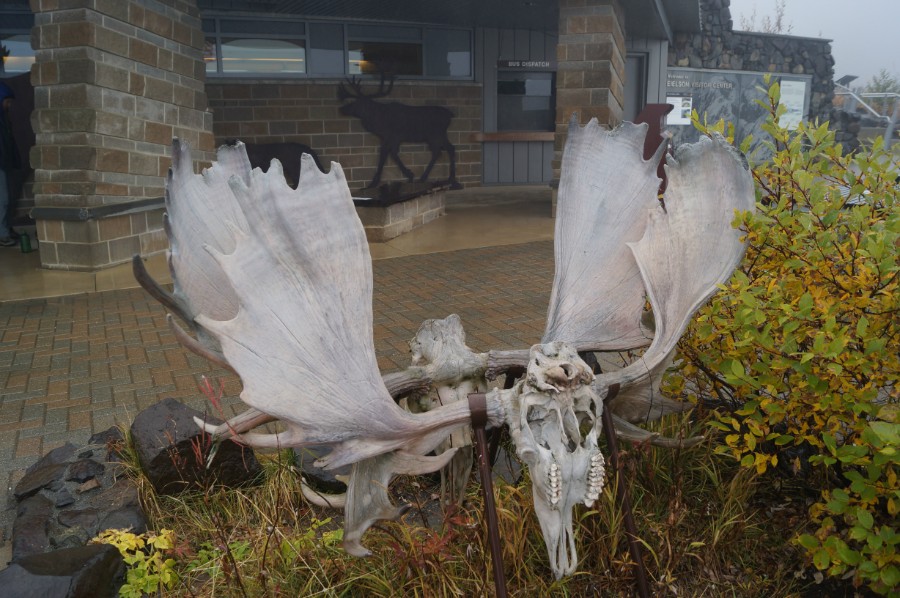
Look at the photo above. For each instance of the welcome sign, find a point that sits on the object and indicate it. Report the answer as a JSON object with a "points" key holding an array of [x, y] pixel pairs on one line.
{"points": [[732, 96]]}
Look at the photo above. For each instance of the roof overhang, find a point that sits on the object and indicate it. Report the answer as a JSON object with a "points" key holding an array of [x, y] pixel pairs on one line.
{"points": [[660, 19], [655, 19], [538, 15]]}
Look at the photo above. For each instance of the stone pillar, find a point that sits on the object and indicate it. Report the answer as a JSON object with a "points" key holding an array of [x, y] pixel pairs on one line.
{"points": [[114, 81], [591, 66]]}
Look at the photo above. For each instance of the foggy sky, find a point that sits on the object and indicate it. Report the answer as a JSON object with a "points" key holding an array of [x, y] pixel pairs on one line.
{"points": [[865, 33]]}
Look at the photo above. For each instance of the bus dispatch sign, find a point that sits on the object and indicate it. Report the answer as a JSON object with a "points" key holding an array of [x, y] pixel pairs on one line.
{"points": [[527, 65]]}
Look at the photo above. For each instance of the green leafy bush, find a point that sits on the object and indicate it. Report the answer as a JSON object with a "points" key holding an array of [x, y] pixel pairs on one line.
{"points": [[800, 352]]}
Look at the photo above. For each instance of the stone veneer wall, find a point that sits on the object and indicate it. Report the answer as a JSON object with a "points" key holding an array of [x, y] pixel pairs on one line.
{"points": [[591, 66], [307, 112], [719, 47], [114, 81]]}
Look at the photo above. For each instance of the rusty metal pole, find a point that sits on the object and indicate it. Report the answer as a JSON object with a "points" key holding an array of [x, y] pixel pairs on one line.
{"points": [[478, 409], [624, 498]]}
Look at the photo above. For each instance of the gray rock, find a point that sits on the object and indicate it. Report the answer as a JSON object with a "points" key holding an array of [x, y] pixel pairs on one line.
{"points": [[94, 571], [30, 527], [166, 438], [83, 470], [130, 518], [60, 454], [113, 440], [323, 480], [38, 478], [64, 498], [122, 493], [107, 436], [86, 519]]}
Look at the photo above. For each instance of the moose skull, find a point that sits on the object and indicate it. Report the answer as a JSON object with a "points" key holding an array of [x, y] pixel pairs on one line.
{"points": [[553, 416]]}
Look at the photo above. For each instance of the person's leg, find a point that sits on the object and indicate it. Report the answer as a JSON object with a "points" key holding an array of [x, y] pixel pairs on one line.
{"points": [[15, 180], [4, 203]]}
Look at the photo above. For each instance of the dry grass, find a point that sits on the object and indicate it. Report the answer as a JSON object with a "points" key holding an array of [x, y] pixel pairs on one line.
{"points": [[704, 524]]}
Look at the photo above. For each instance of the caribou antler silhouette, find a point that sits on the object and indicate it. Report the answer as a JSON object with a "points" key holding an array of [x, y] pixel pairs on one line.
{"points": [[276, 284]]}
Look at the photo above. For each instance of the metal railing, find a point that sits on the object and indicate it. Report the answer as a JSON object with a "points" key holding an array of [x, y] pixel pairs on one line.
{"points": [[857, 100]]}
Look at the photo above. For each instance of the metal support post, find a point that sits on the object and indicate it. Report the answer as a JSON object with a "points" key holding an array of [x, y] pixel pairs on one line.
{"points": [[478, 409]]}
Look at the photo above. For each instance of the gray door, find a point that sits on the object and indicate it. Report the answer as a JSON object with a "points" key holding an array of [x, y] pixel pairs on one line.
{"points": [[518, 106]]}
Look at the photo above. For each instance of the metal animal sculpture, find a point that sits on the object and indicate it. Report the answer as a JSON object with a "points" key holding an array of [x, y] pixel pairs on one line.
{"points": [[395, 123], [287, 153], [283, 296]]}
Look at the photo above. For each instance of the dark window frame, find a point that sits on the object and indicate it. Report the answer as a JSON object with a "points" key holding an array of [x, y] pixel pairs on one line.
{"points": [[17, 31], [217, 35]]}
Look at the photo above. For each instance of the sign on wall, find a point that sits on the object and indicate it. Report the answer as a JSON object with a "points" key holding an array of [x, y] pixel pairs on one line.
{"points": [[731, 95], [526, 65]]}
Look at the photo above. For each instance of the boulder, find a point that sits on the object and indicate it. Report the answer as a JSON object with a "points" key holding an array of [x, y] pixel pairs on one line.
{"points": [[173, 451], [30, 527], [70, 495], [322, 480], [94, 571]]}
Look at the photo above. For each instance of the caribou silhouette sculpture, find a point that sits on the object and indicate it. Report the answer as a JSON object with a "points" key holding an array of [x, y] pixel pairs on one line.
{"points": [[395, 123], [276, 284]]}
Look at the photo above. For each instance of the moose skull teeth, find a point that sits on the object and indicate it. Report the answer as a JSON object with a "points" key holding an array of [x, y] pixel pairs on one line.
{"points": [[554, 484], [596, 479]]}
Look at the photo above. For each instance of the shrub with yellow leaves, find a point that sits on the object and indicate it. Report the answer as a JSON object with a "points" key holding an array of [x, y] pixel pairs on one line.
{"points": [[149, 569], [800, 352]]}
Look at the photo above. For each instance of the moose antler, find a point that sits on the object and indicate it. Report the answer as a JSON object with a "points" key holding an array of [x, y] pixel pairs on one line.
{"points": [[606, 190], [615, 242], [281, 280]]}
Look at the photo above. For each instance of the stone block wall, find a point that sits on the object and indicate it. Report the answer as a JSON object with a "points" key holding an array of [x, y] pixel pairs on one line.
{"points": [[847, 127], [114, 81], [591, 66], [383, 223], [719, 47], [307, 112]]}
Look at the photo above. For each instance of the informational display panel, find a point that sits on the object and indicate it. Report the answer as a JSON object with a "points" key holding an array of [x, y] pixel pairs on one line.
{"points": [[731, 95]]}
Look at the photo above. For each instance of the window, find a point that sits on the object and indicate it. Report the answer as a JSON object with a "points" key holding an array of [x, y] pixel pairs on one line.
{"points": [[291, 48], [248, 55], [372, 58], [15, 36], [326, 48], [264, 47], [525, 101], [374, 49], [448, 53]]}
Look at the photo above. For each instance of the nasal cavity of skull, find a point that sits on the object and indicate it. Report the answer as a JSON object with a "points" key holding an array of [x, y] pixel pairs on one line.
{"points": [[561, 376], [571, 430]]}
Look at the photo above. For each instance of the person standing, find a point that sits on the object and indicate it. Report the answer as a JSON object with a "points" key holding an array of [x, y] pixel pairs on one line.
{"points": [[9, 161]]}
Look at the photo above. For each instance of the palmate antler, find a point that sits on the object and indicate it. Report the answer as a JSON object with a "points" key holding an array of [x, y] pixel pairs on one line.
{"points": [[688, 250], [617, 246], [278, 283]]}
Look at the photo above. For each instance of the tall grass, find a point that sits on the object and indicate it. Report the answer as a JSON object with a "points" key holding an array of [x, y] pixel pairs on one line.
{"points": [[703, 523]]}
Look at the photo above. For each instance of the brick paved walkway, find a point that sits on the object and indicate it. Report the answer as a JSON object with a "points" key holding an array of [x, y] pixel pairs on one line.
{"points": [[73, 366]]}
